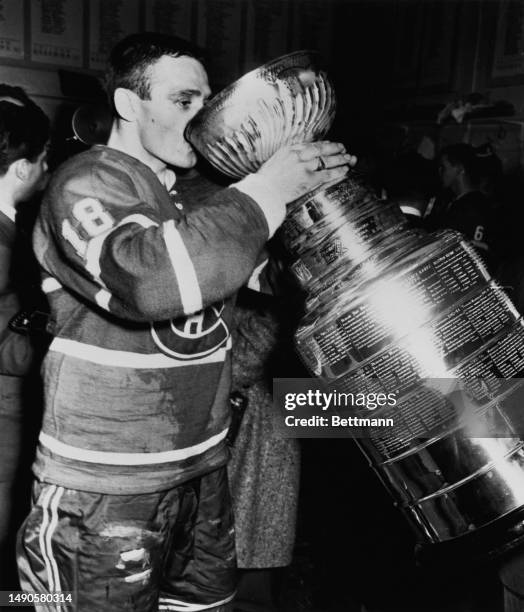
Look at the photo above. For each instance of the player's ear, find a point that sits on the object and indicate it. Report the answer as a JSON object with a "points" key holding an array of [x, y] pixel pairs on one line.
{"points": [[126, 103], [22, 168]]}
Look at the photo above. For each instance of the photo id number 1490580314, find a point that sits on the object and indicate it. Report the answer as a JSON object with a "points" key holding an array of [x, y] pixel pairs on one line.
{"points": [[28, 599]]}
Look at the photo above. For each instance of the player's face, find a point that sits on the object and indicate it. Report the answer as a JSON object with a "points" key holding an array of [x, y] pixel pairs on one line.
{"points": [[179, 89]]}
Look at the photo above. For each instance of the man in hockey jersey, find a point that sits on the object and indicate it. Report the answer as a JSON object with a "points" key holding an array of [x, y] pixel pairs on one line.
{"points": [[131, 508], [470, 211]]}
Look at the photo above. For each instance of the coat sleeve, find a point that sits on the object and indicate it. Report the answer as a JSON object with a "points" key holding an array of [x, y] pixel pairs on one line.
{"points": [[16, 351]]}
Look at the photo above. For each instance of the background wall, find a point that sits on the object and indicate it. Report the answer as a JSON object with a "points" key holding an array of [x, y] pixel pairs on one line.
{"points": [[44, 44], [394, 62], [418, 56]]}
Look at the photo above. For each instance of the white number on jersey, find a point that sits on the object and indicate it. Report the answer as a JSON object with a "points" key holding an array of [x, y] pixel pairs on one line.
{"points": [[92, 216], [94, 220], [479, 233]]}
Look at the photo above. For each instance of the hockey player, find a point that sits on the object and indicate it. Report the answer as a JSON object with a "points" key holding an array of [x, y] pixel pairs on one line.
{"points": [[131, 509]]}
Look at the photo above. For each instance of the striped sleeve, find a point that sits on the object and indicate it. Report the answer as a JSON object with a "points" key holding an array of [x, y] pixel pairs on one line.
{"points": [[108, 237]]}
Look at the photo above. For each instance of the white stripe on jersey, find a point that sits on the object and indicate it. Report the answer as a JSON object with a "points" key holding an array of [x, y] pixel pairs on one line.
{"points": [[190, 294], [94, 246], [111, 458], [140, 219], [168, 603], [127, 359], [50, 284]]}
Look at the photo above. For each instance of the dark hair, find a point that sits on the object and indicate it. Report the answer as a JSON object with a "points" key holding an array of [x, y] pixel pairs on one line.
{"points": [[24, 130], [463, 154], [131, 58], [13, 94]]}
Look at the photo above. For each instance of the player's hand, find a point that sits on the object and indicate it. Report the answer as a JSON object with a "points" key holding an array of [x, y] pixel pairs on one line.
{"points": [[297, 169]]}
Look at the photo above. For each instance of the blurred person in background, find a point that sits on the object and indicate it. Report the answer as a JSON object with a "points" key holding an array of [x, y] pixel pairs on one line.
{"points": [[24, 136], [410, 181], [264, 470], [467, 209]]}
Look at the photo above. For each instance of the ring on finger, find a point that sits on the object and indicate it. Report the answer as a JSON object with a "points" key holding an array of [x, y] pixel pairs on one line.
{"points": [[321, 164]]}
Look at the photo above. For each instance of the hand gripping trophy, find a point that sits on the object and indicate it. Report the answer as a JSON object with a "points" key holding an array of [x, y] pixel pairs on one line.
{"points": [[396, 311]]}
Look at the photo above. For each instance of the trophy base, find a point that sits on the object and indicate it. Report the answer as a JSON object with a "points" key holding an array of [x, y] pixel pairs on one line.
{"points": [[485, 545]]}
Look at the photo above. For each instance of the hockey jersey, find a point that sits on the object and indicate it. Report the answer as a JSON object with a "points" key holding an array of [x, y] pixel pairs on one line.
{"points": [[137, 378]]}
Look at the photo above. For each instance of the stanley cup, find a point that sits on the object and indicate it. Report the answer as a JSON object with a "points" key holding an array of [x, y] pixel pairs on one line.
{"points": [[392, 310], [287, 101]]}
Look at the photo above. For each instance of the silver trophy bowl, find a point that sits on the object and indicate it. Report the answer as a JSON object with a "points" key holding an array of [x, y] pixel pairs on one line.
{"points": [[286, 101]]}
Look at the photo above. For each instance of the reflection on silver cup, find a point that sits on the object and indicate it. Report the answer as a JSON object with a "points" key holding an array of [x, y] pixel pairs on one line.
{"points": [[287, 101]]}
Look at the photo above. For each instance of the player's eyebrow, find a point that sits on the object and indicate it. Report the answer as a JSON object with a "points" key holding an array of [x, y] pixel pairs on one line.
{"points": [[190, 93]]}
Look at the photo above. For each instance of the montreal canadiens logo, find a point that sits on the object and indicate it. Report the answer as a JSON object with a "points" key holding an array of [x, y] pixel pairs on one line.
{"points": [[193, 337]]}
